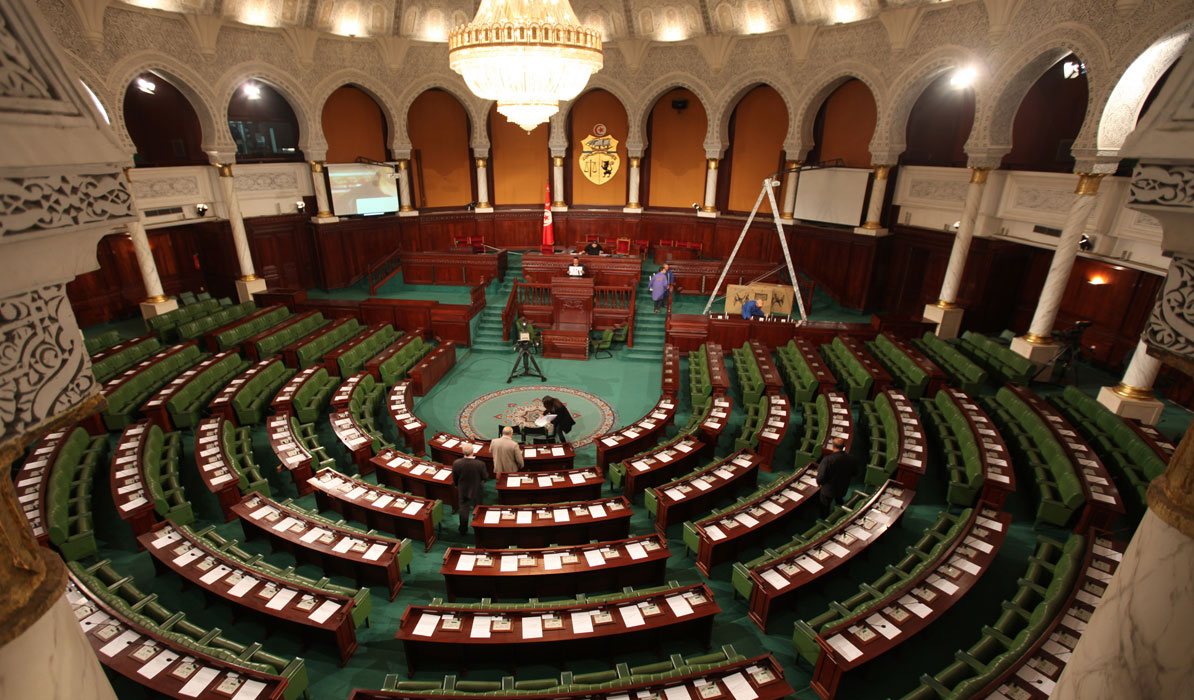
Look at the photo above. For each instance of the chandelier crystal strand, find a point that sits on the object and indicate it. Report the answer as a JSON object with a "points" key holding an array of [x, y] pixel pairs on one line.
{"points": [[526, 55]]}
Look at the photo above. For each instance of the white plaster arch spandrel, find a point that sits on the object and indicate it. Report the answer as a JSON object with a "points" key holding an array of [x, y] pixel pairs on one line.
{"points": [[477, 110], [377, 91], [213, 123], [648, 96], [310, 140], [728, 99], [891, 126], [800, 139], [95, 82], [998, 102]]}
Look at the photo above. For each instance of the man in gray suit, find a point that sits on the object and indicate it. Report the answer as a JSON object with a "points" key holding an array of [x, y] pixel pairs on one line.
{"points": [[507, 454]]}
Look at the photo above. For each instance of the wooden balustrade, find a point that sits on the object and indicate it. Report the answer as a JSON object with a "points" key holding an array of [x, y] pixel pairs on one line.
{"points": [[381, 271]]}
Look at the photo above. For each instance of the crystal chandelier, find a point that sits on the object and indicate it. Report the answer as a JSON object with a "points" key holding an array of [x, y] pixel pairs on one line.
{"points": [[527, 55]]}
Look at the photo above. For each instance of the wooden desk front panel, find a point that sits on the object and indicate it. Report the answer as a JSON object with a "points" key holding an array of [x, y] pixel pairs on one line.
{"points": [[607, 519]]}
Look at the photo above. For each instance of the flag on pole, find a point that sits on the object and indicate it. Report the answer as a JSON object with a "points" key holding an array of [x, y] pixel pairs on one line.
{"points": [[548, 232]]}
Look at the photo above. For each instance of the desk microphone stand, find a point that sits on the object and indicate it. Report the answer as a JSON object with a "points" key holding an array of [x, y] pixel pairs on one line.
{"points": [[530, 367]]}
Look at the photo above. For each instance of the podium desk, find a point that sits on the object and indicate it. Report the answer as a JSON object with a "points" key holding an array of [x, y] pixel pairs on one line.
{"points": [[398, 514], [277, 602], [511, 635], [555, 571], [523, 488], [607, 271], [546, 525], [418, 477], [367, 559], [565, 344]]}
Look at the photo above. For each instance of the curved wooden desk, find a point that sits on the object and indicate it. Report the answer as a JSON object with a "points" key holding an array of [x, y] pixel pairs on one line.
{"points": [[543, 526]]}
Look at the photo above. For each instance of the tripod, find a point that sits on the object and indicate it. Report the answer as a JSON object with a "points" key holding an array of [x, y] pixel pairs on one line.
{"points": [[530, 368]]}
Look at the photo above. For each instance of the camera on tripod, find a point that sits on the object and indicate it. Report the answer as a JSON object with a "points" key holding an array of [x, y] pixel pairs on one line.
{"points": [[1073, 334]]}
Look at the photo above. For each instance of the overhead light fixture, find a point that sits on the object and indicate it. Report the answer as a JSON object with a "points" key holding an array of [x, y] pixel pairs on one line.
{"points": [[1086, 243], [201, 209], [1072, 69], [299, 206], [1097, 280], [252, 91], [146, 86], [963, 77], [527, 55]]}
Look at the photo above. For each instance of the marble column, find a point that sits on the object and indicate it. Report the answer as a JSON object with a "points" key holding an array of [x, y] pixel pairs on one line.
{"points": [[1133, 397], [791, 178], [871, 226], [633, 206], [155, 302], [483, 204], [324, 215], [1037, 343], [249, 283], [405, 202], [945, 312], [709, 208], [52, 659], [557, 177]]}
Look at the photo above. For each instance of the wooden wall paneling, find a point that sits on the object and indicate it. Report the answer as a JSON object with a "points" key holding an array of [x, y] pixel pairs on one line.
{"points": [[217, 256], [111, 292], [407, 315], [451, 322]]}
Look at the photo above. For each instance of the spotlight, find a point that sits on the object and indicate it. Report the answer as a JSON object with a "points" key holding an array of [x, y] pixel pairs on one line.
{"points": [[252, 91], [1072, 69], [696, 206], [963, 78], [1086, 243], [146, 86], [299, 206], [201, 209]]}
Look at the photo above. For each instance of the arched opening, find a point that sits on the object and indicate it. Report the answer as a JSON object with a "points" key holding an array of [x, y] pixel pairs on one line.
{"points": [[162, 123], [675, 156], [1049, 118], [758, 127], [598, 111], [263, 125], [939, 124], [521, 166], [442, 174], [354, 126], [844, 126]]}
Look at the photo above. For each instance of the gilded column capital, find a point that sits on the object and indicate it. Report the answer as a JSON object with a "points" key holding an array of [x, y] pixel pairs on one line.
{"points": [[711, 163], [881, 171], [225, 169], [481, 162], [316, 166], [403, 165], [635, 161], [1088, 183], [557, 161], [978, 176]]}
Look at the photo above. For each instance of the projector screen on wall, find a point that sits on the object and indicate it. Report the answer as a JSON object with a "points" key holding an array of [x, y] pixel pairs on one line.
{"points": [[832, 195], [362, 189]]}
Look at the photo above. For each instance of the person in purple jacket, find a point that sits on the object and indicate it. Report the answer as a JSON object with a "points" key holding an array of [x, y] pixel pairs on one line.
{"points": [[659, 284]]}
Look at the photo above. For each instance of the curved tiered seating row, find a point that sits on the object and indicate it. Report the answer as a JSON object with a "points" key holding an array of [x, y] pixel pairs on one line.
{"points": [[765, 426], [555, 571], [118, 358], [898, 445], [333, 546], [192, 330], [350, 358], [860, 375], [825, 547], [669, 382], [54, 490], [246, 397], [127, 391], [416, 476], [282, 602], [909, 375], [905, 600], [999, 359], [394, 512], [1027, 648], [979, 464], [557, 630], [297, 447], [699, 386], [637, 437], [166, 325], [966, 375], [750, 379], [120, 622], [224, 456], [724, 533], [305, 394], [549, 525], [432, 367], [446, 448], [581, 484], [358, 435], [400, 406], [805, 373], [714, 419], [639, 473], [392, 364], [273, 338], [1118, 441], [145, 478], [232, 334], [310, 349], [179, 403], [726, 671], [827, 418], [101, 342], [695, 492]]}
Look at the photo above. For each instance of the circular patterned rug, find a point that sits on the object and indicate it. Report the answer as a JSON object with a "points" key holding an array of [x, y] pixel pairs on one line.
{"points": [[522, 405]]}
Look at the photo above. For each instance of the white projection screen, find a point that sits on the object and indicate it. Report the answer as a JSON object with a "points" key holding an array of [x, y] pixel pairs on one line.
{"points": [[362, 189], [832, 195]]}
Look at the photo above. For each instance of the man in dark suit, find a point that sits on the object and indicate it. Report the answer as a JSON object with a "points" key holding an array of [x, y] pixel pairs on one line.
{"points": [[834, 474], [468, 476]]}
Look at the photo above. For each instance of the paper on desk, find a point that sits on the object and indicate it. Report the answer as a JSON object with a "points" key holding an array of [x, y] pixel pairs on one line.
{"points": [[513, 481], [281, 598], [639, 466], [383, 501], [164, 540], [284, 524], [492, 517], [343, 545], [242, 587], [724, 473], [261, 513], [356, 493], [990, 524], [120, 643], [466, 562], [597, 511], [523, 517], [442, 475], [560, 515], [679, 605], [881, 625], [860, 532], [773, 508], [1037, 679], [214, 575], [843, 646], [135, 503], [323, 612], [966, 565], [375, 551], [426, 625], [679, 692], [553, 562], [576, 478], [312, 535], [915, 606], [746, 519], [631, 615], [199, 682], [528, 452], [701, 484], [412, 508], [775, 578], [249, 691], [582, 622], [188, 556], [636, 551], [675, 494], [809, 564], [739, 687], [157, 663], [714, 533], [532, 627], [98, 618], [594, 557], [663, 457], [939, 582], [1057, 650], [509, 563], [480, 628]]}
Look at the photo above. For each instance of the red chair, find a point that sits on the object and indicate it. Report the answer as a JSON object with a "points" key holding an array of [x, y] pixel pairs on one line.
{"points": [[622, 247], [642, 244], [666, 243], [592, 237]]}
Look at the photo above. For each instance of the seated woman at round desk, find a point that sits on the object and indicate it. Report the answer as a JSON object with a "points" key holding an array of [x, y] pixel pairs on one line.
{"points": [[751, 309], [594, 248], [576, 269]]}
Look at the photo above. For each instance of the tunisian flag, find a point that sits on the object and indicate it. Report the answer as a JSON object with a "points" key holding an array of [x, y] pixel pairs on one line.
{"points": [[549, 238]]}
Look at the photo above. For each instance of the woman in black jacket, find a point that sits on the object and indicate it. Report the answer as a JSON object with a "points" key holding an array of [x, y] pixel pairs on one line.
{"points": [[563, 421]]}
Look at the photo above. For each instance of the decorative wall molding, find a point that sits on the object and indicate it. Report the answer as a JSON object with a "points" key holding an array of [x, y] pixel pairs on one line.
{"points": [[1171, 325], [267, 182], [47, 202], [166, 188], [1163, 186]]}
